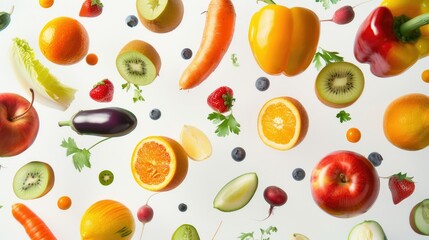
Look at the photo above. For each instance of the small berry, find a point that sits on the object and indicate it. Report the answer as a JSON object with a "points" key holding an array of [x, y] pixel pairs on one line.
{"points": [[375, 158], [183, 207], [238, 154], [262, 83], [298, 174], [155, 114], [186, 53], [131, 21]]}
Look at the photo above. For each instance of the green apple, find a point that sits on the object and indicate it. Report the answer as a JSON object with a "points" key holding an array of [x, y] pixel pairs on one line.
{"points": [[419, 217], [160, 16], [367, 230]]}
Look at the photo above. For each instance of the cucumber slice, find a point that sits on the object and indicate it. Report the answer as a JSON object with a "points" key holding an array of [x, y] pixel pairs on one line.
{"points": [[236, 193], [367, 230], [185, 232], [419, 217]]}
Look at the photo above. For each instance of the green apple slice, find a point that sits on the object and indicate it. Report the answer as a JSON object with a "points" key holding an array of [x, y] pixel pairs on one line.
{"points": [[236, 193], [419, 217], [367, 230], [32, 74], [298, 236]]}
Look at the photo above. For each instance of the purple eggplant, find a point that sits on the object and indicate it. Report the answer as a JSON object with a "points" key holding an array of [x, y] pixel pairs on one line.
{"points": [[105, 122]]}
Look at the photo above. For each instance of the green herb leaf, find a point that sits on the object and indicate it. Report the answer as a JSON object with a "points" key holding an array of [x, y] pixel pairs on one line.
{"points": [[327, 3], [324, 57], [246, 236], [225, 124], [234, 59], [343, 116], [137, 91]]}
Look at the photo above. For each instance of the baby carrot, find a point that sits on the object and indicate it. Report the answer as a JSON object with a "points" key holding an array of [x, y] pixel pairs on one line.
{"points": [[217, 36], [33, 225]]}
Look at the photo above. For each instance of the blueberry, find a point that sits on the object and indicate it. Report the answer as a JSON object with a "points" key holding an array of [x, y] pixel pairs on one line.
{"points": [[262, 83], [131, 21], [298, 174], [183, 207], [186, 53], [375, 158], [238, 154], [155, 114]]}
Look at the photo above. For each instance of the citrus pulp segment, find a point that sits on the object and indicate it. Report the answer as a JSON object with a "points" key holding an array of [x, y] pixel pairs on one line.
{"points": [[282, 123], [159, 163]]}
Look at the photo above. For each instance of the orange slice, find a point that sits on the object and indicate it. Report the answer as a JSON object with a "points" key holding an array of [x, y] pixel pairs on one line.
{"points": [[159, 163], [282, 123]]}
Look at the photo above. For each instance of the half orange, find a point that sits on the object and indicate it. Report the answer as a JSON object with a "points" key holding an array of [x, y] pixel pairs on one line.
{"points": [[159, 163], [282, 123]]}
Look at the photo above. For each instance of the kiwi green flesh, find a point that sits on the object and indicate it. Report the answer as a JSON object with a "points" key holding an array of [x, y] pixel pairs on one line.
{"points": [[420, 217], [105, 177], [33, 180], [151, 9], [340, 83], [186, 232], [136, 68]]}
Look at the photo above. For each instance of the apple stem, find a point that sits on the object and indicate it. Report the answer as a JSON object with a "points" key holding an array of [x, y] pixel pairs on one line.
{"points": [[343, 178], [28, 108]]}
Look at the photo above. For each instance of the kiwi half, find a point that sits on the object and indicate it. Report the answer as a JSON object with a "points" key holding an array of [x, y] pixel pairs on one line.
{"points": [[33, 180], [138, 62], [339, 84]]}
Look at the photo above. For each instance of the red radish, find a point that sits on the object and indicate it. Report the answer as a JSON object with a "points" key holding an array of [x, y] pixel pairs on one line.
{"points": [[145, 214], [343, 15], [274, 196]]}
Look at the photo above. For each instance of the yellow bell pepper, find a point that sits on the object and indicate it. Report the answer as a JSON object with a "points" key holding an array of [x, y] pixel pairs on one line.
{"points": [[284, 40]]}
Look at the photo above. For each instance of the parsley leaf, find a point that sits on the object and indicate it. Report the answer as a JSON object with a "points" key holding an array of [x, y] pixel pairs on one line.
{"points": [[246, 236], [80, 156], [344, 116], [324, 57], [265, 234], [137, 91], [327, 3], [234, 60], [225, 124]]}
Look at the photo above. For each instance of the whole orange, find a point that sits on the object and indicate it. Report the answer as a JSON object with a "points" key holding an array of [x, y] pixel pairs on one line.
{"points": [[406, 121], [64, 41]]}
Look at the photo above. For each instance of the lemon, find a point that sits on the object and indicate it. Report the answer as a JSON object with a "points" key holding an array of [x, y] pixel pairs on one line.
{"points": [[196, 143], [33, 74]]}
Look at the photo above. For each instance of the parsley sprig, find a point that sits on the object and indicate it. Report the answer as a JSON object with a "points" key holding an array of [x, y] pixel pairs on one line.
{"points": [[265, 234], [324, 57], [343, 116], [137, 91], [81, 156], [225, 124], [327, 3]]}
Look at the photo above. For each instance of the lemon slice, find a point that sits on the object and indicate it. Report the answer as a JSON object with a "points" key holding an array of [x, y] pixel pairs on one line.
{"points": [[32, 74], [196, 143]]}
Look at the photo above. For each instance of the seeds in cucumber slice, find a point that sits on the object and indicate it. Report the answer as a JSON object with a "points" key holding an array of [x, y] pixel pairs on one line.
{"points": [[367, 230], [237, 193], [185, 232]]}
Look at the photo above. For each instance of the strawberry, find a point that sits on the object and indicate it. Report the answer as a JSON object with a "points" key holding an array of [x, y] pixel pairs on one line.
{"points": [[102, 91], [401, 187], [221, 100], [91, 8]]}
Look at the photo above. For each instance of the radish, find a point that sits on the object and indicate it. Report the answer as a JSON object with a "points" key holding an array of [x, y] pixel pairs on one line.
{"points": [[274, 196], [343, 15], [145, 214]]}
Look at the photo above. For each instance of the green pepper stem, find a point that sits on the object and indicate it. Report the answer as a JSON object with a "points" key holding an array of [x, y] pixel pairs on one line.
{"points": [[266, 1], [414, 24], [64, 123]]}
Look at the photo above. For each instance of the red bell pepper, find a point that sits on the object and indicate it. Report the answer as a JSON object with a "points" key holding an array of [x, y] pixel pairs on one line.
{"points": [[391, 44]]}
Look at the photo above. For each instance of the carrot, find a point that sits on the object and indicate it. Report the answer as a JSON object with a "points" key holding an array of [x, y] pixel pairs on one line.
{"points": [[33, 225], [217, 36]]}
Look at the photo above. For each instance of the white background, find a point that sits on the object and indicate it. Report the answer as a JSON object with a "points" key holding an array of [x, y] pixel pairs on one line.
{"points": [[108, 33]]}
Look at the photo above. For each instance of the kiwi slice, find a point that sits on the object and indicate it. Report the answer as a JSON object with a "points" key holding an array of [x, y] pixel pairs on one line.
{"points": [[185, 232], [138, 62], [33, 180], [105, 177], [339, 84]]}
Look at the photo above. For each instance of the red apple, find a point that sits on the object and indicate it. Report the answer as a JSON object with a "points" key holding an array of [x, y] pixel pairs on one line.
{"points": [[19, 124], [345, 184]]}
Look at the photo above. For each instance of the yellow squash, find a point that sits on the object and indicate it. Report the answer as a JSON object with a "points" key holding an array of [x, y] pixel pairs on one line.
{"points": [[284, 40]]}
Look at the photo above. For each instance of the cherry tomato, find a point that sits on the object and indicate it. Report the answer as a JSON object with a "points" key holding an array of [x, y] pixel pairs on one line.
{"points": [[91, 59], [353, 135], [64, 202]]}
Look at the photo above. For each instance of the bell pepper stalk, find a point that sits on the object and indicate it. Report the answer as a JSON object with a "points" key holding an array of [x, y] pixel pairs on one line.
{"points": [[392, 44], [283, 40]]}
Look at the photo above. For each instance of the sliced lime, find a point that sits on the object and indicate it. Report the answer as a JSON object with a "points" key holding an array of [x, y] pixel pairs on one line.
{"points": [[33, 74]]}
